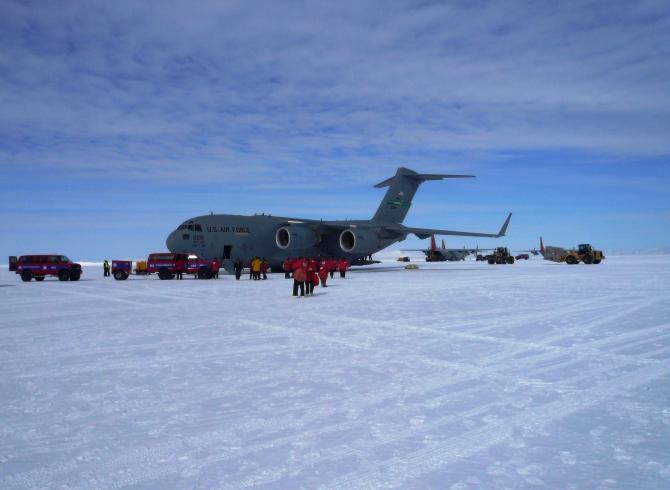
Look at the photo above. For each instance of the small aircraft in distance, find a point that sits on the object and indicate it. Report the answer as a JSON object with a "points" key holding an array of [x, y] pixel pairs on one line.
{"points": [[443, 254]]}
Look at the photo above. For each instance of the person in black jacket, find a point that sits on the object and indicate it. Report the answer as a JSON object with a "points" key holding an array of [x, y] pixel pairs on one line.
{"points": [[239, 265]]}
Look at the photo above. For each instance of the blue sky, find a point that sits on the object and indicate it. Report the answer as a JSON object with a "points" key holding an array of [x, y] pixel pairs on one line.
{"points": [[121, 119]]}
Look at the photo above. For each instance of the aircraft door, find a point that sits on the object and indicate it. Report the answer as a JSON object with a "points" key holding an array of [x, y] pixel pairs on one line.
{"points": [[227, 249]]}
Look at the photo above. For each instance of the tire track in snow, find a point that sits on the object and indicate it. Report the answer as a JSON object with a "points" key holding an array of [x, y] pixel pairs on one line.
{"points": [[327, 339], [398, 470], [205, 441]]}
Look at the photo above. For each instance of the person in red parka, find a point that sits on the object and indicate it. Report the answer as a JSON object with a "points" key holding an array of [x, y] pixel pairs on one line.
{"points": [[287, 266], [343, 265], [323, 272], [179, 266], [299, 276], [332, 265], [265, 265], [310, 270], [216, 266]]}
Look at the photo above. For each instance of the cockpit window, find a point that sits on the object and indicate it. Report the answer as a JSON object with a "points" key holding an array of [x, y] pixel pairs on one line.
{"points": [[190, 226]]}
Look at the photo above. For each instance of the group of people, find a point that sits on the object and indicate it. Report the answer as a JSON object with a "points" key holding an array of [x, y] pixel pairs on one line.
{"points": [[309, 272], [257, 266]]}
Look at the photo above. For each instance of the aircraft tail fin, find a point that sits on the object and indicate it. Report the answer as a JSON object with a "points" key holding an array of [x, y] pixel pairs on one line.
{"points": [[443, 247], [433, 246], [402, 187], [541, 246]]}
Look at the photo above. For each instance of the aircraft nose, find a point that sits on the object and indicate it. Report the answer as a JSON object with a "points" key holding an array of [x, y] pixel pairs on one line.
{"points": [[172, 241]]}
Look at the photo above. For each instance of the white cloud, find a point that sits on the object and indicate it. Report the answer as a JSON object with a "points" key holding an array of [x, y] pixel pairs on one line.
{"points": [[265, 91]]}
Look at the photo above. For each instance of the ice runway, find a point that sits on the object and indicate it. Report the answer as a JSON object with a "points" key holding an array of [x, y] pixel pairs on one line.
{"points": [[458, 375]]}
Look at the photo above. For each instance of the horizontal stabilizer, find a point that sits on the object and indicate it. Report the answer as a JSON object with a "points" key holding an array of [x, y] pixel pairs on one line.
{"points": [[422, 178]]}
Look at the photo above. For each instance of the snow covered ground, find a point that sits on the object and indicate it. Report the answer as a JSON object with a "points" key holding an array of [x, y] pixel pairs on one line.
{"points": [[458, 375]]}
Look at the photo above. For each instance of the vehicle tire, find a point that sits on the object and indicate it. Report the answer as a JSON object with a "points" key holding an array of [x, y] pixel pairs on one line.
{"points": [[510, 260], [492, 261], [204, 274], [570, 259], [26, 276], [163, 275], [596, 261], [588, 259], [74, 276], [63, 275], [120, 275], [39, 278]]}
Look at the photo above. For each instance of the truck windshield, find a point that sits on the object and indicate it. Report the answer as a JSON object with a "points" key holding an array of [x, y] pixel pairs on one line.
{"points": [[64, 259]]}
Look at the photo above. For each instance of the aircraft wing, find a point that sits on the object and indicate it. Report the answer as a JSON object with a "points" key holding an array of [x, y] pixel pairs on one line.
{"points": [[426, 232], [426, 250]]}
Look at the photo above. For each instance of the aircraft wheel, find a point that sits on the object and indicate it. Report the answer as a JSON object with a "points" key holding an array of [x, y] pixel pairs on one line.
{"points": [[63, 275], [40, 278]]}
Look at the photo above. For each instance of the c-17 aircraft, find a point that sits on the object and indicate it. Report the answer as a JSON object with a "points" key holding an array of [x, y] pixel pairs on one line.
{"points": [[230, 237]]}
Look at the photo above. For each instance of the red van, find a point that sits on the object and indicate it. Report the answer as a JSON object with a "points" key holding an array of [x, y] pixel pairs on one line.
{"points": [[165, 265], [41, 266]]}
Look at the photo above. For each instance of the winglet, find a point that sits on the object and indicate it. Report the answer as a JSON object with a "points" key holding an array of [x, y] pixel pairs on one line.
{"points": [[503, 230]]}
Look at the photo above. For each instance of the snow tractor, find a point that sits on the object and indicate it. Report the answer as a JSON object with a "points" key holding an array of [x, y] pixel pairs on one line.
{"points": [[584, 253], [500, 255]]}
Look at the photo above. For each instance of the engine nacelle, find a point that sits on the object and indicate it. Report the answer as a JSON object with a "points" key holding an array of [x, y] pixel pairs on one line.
{"points": [[359, 241], [295, 237]]}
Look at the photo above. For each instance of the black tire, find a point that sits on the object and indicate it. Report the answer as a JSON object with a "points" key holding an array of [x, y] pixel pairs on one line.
{"points": [[510, 260], [570, 259], [120, 275], [74, 276], [596, 261], [63, 275], [26, 276], [491, 261], [204, 274], [39, 278], [164, 275], [588, 259]]}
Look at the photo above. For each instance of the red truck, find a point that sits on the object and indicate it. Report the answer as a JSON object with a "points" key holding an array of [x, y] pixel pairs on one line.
{"points": [[121, 269], [165, 265], [522, 257], [40, 266]]}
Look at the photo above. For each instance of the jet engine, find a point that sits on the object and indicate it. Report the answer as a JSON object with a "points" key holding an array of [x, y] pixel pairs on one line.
{"points": [[358, 241], [296, 237]]}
